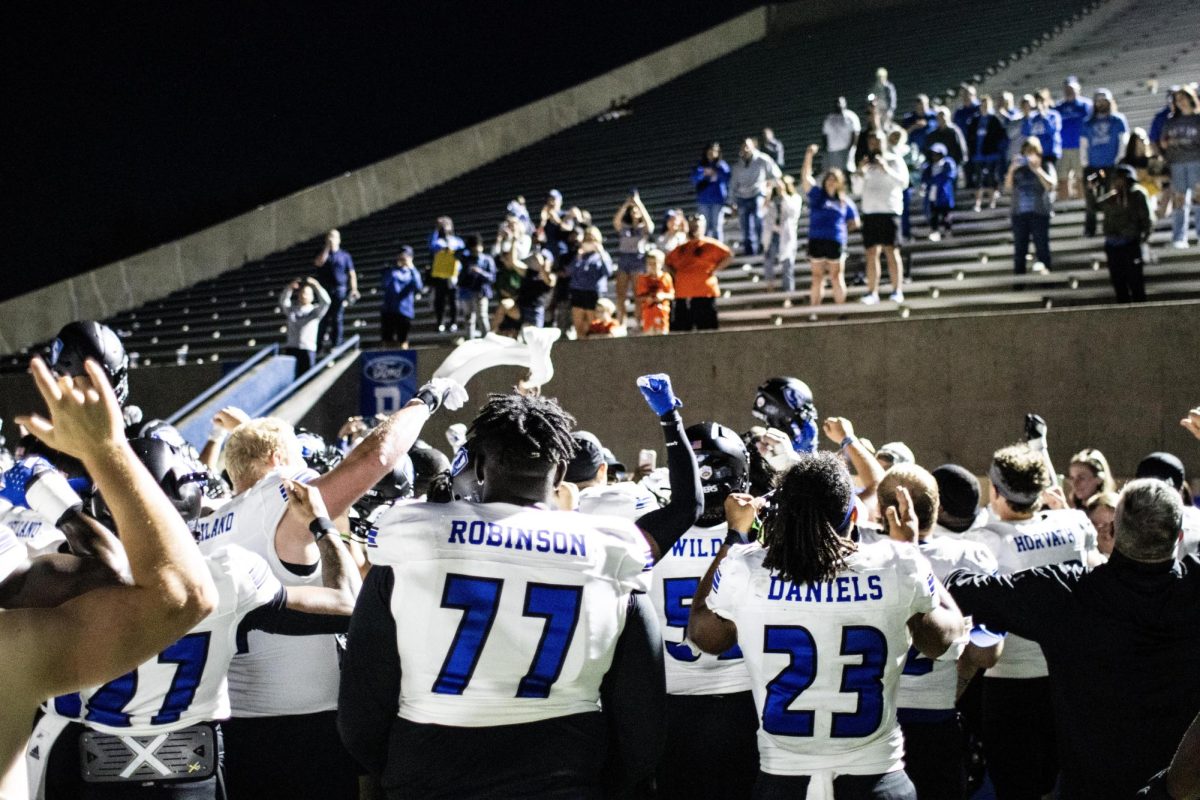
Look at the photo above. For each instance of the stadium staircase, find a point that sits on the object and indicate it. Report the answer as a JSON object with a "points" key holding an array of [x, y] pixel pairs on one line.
{"points": [[788, 82]]}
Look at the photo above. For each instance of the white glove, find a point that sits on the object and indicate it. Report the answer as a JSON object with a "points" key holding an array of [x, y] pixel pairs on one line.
{"points": [[442, 392]]}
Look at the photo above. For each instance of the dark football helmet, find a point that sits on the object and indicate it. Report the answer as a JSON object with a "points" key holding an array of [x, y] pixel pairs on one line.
{"points": [[724, 467], [787, 404], [79, 341]]}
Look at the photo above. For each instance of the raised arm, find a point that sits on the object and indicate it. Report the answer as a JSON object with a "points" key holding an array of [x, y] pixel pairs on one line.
{"points": [[340, 577], [866, 467], [807, 181], [662, 527]]}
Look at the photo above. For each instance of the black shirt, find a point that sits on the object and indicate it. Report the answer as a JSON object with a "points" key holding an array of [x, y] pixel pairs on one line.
{"points": [[1122, 642]]}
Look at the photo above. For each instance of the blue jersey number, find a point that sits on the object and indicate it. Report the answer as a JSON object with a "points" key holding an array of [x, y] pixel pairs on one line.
{"points": [[107, 704], [479, 600], [917, 664], [677, 604], [864, 680]]}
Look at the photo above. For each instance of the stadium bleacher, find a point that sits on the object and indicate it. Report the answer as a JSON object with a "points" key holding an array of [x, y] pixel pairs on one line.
{"points": [[788, 82]]}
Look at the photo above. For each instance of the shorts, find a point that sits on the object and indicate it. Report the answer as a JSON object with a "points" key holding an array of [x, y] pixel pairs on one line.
{"points": [[880, 230], [826, 249], [631, 263], [1070, 162], [394, 327], [585, 300], [987, 172]]}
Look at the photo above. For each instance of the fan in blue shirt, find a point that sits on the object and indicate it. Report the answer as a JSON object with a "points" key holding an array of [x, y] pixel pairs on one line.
{"points": [[1046, 125], [401, 285], [1106, 132], [1074, 111], [937, 185]]}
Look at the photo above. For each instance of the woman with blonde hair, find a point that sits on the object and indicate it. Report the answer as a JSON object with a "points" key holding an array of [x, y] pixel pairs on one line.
{"points": [[1088, 475], [1101, 509], [780, 235], [831, 214]]}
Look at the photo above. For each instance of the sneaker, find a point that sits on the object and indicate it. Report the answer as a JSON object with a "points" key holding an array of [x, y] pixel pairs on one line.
{"points": [[1039, 268], [870, 299], [1180, 245], [978, 206], [935, 237], [441, 328], [453, 328], [896, 297], [787, 303]]}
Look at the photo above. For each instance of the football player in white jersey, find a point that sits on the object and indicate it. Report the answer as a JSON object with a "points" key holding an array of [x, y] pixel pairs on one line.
{"points": [[489, 634], [933, 740], [825, 625], [102, 633], [1018, 730], [282, 737], [154, 731]]}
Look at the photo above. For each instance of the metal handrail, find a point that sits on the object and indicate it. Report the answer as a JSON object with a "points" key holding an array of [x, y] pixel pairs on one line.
{"points": [[224, 383], [298, 383]]}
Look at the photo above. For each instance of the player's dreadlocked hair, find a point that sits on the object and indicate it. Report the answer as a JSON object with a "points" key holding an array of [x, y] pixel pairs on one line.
{"points": [[522, 432], [802, 535]]}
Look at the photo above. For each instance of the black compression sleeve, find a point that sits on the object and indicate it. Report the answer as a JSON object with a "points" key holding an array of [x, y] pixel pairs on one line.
{"points": [[665, 525], [276, 617], [370, 690], [633, 696]]}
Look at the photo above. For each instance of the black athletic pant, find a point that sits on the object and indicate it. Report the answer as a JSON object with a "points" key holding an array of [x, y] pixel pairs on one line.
{"points": [[940, 219], [1092, 189], [1125, 270], [333, 323], [305, 359], [728, 766], [1018, 737], [888, 786], [444, 296], [933, 758], [393, 328], [287, 757], [694, 314]]}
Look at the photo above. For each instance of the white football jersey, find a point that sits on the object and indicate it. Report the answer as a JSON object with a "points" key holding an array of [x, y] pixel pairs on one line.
{"points": [[676, 577], [506, 614], [185, 684], [277, 675], [1189, 545], [12, 552], [1063, 536], [38, 534], [625, 499], [825, 659]]}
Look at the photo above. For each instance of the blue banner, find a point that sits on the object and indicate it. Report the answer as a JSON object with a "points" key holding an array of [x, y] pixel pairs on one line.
{"points": [[389, 380]]}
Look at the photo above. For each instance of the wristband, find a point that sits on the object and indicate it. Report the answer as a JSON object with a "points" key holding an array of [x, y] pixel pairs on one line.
{"points": [[736, 537], [49, 494], [320, 527], [429, 399], [218, 436], [849, 440]]}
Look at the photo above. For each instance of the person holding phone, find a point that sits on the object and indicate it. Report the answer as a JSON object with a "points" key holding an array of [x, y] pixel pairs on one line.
{"points": [[1032, 183]]}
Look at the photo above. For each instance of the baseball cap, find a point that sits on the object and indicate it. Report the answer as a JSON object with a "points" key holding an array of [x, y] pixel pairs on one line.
{"points": [[939, 148], [1127, 170], [958, 490], [1105, 93], [1165, 467], [1071, 80], [555, 193], [406, 250], [589, 455], [898, 452]]}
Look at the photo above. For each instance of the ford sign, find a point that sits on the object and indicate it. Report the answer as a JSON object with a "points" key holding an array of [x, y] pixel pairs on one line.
{"points": [[388, 369]]}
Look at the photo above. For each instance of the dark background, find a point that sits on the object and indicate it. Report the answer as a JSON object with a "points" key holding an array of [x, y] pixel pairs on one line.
{"points": [[130, 124]]}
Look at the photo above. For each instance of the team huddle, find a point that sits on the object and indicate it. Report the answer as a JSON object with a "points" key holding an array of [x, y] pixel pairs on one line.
{"points": [[285, 618]]}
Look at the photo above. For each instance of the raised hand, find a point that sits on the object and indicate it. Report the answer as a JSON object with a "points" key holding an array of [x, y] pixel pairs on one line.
{"points": [[85, 418]]}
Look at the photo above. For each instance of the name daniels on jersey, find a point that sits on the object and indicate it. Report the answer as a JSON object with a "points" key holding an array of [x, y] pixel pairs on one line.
{"points": [[214, 526], [843, 589], [1040, 541], [489, 534], [697, 548]]}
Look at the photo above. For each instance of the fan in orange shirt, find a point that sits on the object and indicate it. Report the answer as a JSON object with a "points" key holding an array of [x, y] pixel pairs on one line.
{"points": [[695, 265], [655, 290]]}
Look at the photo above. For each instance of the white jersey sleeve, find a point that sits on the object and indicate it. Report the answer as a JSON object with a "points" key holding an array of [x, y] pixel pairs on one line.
{"points": [[825, 658], [506, 614], [1048, 538], [12, 553], [38, 534], [185, 684], [676, 578], [626, 499]]}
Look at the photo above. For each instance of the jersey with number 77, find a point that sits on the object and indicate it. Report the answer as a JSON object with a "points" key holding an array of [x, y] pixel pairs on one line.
{"points": [[825, 658]]}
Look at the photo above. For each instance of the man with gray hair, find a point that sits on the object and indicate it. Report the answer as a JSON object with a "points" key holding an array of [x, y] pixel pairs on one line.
{"points": [[1121, 643]]}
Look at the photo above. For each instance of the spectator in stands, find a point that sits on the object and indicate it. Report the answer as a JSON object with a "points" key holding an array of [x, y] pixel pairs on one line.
{"points": [[772, 146], [633, 226], [510, 271], [841, 130], [655, 291], [675, 229], [1160, 120], [1032, 184], [913, 159], [335, 272], [512, 237], [987, 145], [919, 122], [1181, 146], [694, 266], [1013, 117], [444, 248], [604, 324], [884, 178], [830, 215], [938, 181], [475, 286], [1101, 509], [589, 273], [553, 225], [303, 320], [1074, 112], [1087, 475], [711, 181], [1044, 123], [748, 181], [948, 135], [516, 208], [1128, 223], [969, 108], [536, 285], [1107, 133], [885, 95], [780, 236], [1140, 154], [401, 285]]}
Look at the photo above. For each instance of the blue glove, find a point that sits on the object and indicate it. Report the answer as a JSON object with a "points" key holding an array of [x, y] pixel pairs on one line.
{"points": [[804, 437], [18, 477], [657, 391]]}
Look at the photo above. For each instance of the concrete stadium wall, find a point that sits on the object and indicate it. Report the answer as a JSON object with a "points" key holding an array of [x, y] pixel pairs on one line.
{"points": [[128, 283], [953, 388]]}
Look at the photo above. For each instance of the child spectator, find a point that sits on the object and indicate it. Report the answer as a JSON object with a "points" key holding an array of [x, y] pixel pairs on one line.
{"points": [[633, 226], [604, 324], [937, 187], [675, 229], [401, 285], [655, 290], [987, 144], [303, 320], [475, 284]]}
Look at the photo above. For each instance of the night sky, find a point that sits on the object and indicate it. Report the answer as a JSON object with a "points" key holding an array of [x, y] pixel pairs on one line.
{"points": [[132, 124]]}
